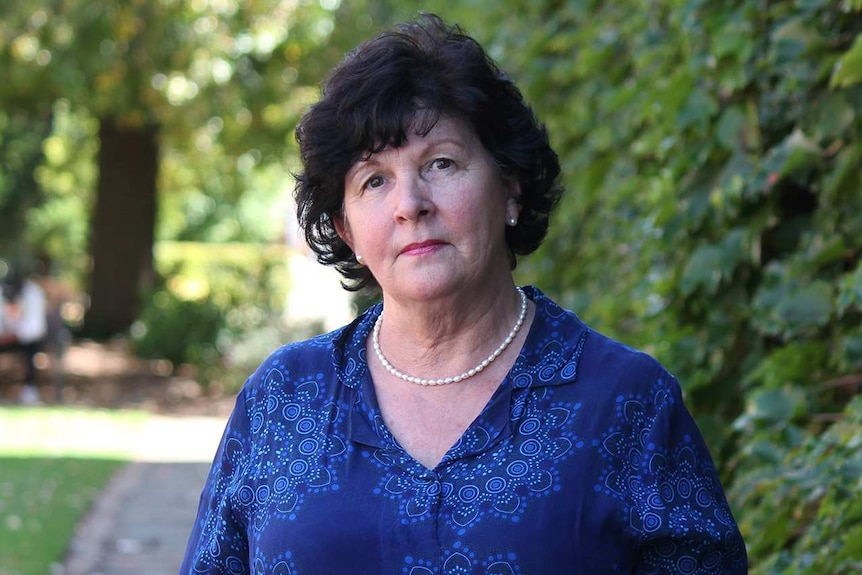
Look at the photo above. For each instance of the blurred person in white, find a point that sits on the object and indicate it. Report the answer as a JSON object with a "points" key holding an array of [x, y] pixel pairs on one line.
{"points": [[23, 326]]}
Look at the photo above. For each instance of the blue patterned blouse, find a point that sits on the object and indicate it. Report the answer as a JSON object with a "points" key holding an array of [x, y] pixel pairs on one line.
{"points": [[585, 461]]}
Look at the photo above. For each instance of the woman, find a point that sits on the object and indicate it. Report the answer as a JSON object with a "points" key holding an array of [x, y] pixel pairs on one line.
{"points": [[463, 425]]}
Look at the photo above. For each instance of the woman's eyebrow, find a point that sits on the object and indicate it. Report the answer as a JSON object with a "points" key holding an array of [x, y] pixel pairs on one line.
{"points": [[457, 142], [361, 165]]}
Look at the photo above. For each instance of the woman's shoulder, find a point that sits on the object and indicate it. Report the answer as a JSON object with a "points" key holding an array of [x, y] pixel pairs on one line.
{"points": [[609, 352], [297, 361], [606, 364], [596, 350], [328, 358], [619, 372]]}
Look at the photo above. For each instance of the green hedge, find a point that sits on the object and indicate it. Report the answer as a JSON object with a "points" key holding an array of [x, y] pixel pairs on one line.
{"points": [[712, 154]]}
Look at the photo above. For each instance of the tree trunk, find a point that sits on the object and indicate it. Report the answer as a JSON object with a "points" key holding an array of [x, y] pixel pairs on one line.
{"points": [[123, 227]]}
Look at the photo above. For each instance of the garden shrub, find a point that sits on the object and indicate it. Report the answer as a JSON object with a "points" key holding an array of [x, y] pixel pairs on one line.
{"points": [[221, 310]]}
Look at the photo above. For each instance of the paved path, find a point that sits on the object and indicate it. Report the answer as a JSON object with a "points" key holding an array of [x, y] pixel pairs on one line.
{"points": [[140, 523]]}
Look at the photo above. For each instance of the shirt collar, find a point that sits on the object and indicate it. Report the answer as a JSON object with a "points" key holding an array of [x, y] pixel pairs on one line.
{"points": [[550, 355]]}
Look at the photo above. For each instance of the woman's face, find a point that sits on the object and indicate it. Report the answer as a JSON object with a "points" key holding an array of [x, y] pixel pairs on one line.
{"points": [[428, 218]]}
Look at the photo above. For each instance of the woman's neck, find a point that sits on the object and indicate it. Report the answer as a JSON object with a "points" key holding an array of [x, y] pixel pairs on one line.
{"points": [[448, 336]]}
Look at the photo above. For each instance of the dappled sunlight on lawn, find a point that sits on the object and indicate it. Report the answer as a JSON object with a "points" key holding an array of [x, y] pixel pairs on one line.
{"points": [[40, 432], [121, 434]]}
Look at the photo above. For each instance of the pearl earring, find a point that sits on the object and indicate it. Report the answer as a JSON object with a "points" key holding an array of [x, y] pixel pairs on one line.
{"points": [[359, 259], [512, 221]]}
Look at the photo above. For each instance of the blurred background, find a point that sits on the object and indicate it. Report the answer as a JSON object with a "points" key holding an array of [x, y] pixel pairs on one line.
{"points": [[712, 153]]}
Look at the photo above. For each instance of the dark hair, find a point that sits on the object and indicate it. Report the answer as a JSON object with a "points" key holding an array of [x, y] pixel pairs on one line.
{"points": [[12, 286], [406, 79]]}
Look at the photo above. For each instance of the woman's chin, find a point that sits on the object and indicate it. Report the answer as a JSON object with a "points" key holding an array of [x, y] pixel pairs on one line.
{"points": [[425, 287]]}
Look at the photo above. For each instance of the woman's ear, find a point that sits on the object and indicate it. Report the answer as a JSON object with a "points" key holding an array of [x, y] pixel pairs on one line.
{"points": [[513, 202], [342, 228]]}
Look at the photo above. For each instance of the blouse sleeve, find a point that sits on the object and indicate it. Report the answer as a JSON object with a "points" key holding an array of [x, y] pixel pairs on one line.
{"points": [[679, 511], [218, 543]]}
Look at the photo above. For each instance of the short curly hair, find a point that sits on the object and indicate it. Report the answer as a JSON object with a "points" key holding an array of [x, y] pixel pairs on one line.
{"points": [[406, 79]]}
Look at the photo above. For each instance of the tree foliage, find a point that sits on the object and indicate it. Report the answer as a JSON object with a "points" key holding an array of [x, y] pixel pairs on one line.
{"points": [[204, 84], [21, 137]]}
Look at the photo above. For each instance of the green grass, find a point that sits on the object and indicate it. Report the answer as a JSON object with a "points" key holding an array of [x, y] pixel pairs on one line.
{"points": [[53, 463], [41, 501]]}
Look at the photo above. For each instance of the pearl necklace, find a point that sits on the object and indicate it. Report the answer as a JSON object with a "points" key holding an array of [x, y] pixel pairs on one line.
{"points": [[467, 374]]}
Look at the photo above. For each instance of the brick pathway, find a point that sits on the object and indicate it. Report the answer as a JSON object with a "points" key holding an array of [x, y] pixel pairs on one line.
{"points": [[140, 523]]}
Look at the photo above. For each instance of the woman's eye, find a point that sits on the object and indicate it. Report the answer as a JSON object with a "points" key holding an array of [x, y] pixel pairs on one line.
{"points": [[374, 182], [441, 163]]}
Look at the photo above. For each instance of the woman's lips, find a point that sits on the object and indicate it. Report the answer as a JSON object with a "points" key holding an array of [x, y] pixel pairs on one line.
{"points": [[421, 248]]}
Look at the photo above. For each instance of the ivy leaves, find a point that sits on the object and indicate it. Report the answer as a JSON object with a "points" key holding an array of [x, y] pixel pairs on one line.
{"points": [[711, 152]]}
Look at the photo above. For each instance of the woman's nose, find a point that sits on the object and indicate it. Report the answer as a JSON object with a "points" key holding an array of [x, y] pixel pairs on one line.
{"points": [[412, 198]]}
